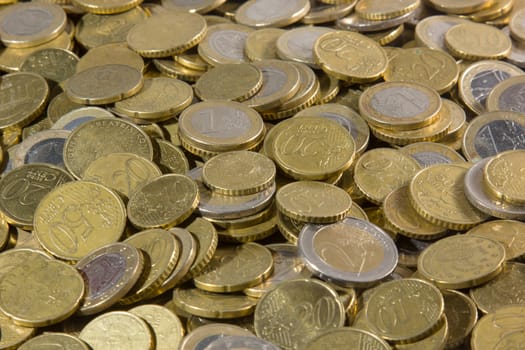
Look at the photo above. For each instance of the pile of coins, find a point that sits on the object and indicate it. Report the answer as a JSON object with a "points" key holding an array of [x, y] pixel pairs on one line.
{"points": [[262, 174]]}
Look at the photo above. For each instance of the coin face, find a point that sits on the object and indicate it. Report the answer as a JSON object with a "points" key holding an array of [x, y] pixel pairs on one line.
{"points": [[271, 13], [498, 329], [224, 43], [502, 176], [477, 41], [504, 95], [507, 232], [62, 339]]}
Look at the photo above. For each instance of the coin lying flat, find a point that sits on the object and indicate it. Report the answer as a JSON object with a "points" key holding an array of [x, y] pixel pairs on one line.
{"points": [[503, 179], [507, 232], [298, 44], [199, 6], [271, 13], [53, 64], [106, 7], [261, 44], [224, 43], [477, 41], [378, 10], [108, 54], [64, 340], [202, 335], [505, 95], [500, 328]]}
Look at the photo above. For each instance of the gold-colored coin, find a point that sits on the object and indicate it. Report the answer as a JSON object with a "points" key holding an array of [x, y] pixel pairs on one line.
{"points": [[202, 333], [47, 22], [296, 311], [322, 13], [476, 41], [505, 95], [102, 136], [111, 54], [5, 234], [380, 171], [118, 330], [66, 341], [387, 36], [239, 173], [421, 302], [255, 232], [403, 217], [234, 268], [165, 325], [21, 109], [510, 233], [271, 13], [435, 341], [159, 99], [77, 217], [350, 56], [430, 31], [315, 202], [224, 43], [335, 338], [289, 227], [213, 305], [109, 273], [192, 60], [437, 194], [23, 188], [220, 126], [312, 148], [503, 176], [154, 37], [430, 153], [400, 105], [53, 64], [170, 158], [106, 7], [462, 315], [233, 82], [461, 261], [517, 26], [163, 202], [434, 68], [59, 106], [174, 69], [199, 6], [104, 84], [497, 9], [94, 30], [329, 87], [501, 329], [378, 10], [462, 7], [207, 240], [261, 44], [40, 292]]}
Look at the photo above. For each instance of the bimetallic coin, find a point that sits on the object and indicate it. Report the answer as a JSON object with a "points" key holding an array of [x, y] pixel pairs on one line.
{"points": [[71, 120], [461, 261], [224, 43], [503, 177], [502, 329], [165, 325], [430, 153], [476, 41], [298, 44], [352, 252], [517, 26], [205, 334], [46, 146], [505, 95], [66, 341], [271, 13], [510, 233], [430, 31]]}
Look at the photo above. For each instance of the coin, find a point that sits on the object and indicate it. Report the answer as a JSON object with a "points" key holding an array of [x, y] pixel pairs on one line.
{"points": [[297, 44], [516, 26], [109, 273], [53, 64], [354, 22], [430, 153], [107, 7], [203, 335], [507, 232], [462, 315], [436, 340], [261, 44], [224, 43], [173, 69], [500, 328], [43, 147], [476, 41], [207, 240], [453, 7], [60, 105], [170, 158], [324, 13], [502, 177], [71, 120], [59, 339], [110, 54], [430, 31], [503, 96], [200, 6], [271, 13]]}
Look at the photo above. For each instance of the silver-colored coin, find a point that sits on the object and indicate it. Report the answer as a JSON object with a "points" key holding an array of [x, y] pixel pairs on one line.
{"points": [[271, 13], [342, 252], [217, 206], [71, 120], [479, 198], [201, 337], [359, 24], [298, 44], [43, 147], [287, 265], [239, 342]]}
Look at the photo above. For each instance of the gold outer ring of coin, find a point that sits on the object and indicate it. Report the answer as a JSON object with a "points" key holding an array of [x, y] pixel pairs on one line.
{"points": [[106, 7], [67, 341], [379, 10], [503, 176]]}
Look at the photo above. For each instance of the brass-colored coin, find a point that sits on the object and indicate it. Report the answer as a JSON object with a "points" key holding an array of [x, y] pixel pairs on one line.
{"points": [[56, 65], [517, 26], [463, 7], [213, 305], [502, 175], [47, 22], [23, 188], [380, 171], [239, 173], [30, 295], [312, 148], [77, 217], [13, 257], [504, 95], [21, 109], [109, 273], [199, 6], [508, 232], [174, 69], [220, 126], [66, 341], [170, 158], [163, 202], [234, 82], [378, 10], [110, 54], [476, 41], [400, 105], [271, 13], [480, 78], [323, 13], [430, 31], [350, 56], [154, 37], [403, 217], [224, 43], [492, 133], [297, 44], [435, 341], [289, 227], [234, 268], [437, 194], [500, 329], [421, 302], [42, 123], [192, 60], [213, 330], [315, 202], [335, 338], [409, 250], [104, 84], [387, 36], [122, 172], [207, 241], [462, 315], [461, 261], [356, 23], [296, 311], [430, 153], [159, 99], [433, 68], [329, 87], [118, 330], [94, 30], [166, 326], [261, 44], [243, 222], [59, 106], [497, 9], [102, 136], [106, 7], [5, 234], [73, 119]]}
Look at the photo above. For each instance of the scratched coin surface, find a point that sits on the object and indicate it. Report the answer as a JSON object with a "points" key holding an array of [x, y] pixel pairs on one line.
{"points": [[296, 311], [502, 329]]}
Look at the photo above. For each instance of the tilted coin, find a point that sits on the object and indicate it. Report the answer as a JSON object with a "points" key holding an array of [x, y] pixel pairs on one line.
{"points": [[271, 13], [261, 44], [508, 232], [387, 36], [436, 340], [71, 120], [500, 329], [209, 332], [166, 326], [108, 54], [517, 27], [517, 52], [106, 7], [502, 175], [378, 10], [505, 95], [60, 105], [224, 43], [324, 13], [174, 69], [461, 261], [430, 153], [56, 65], [476, 41], [329, 87], [199, 6], [64, 340], [46, 146], [462, 315], [453, 7], [170, 158], [298, 44], [207, 240], [430, 31], [356, 23]]}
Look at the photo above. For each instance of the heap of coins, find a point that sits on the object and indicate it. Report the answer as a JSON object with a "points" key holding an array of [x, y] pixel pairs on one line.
{"points": [[262, 174]]}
